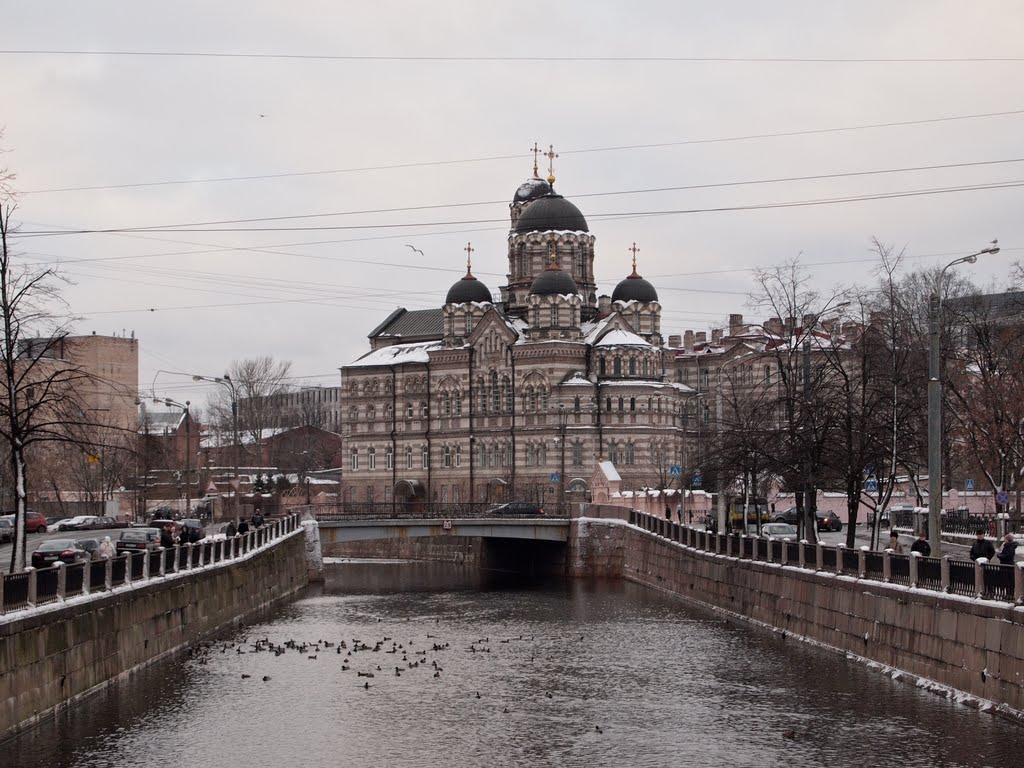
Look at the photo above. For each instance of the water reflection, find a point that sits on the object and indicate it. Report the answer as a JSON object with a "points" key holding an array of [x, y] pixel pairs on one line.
{"points": [[523, 677]]}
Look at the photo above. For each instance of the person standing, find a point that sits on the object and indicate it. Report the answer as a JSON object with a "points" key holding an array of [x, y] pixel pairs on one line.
{"points": [[982, 548], [894, 543], [921, 546], [668, 512], [1007, 550], [106, 549], [243, 527], [230, 530]]}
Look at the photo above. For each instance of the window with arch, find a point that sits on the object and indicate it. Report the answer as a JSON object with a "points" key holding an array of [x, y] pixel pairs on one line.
{"points": [[481, 392], [621, 403], [495, 456], [531, 455], [613, 453], [387, 386], [371, 458], [602, 366], [576, 404], [446, 404], [469, 323], [458, 455], [767, 374], [371, 413], [608, 404], [532, 395], [577, 454], [506, 455], [554, 314], [353, 459], [389, 458], [424, 457], [581, 263], [632, 366], [410, 410], [446, 455], [636, 321], [617, 369], [353, 414], [544, 400], [506, 390], [704, 378], [408, 457], [458, 403], [495, 393], [645, 368], [389, 412], [630, 454], [632, 403], [424, 410]]}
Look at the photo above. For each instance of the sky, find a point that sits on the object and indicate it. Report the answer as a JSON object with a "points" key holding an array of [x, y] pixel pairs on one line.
{"points": [[379, 127]]}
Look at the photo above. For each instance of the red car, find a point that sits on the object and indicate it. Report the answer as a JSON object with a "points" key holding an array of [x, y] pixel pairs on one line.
{"points": [[34, 522]]}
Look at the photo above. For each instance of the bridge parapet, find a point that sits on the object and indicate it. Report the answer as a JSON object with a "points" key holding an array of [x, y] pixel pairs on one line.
{"points": [[421, 511]]}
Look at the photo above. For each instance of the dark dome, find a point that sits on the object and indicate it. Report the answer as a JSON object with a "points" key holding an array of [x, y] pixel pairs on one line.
{"points": [[531, 189], [553, 281], [466, 290], [551, 213], [634, 288]]}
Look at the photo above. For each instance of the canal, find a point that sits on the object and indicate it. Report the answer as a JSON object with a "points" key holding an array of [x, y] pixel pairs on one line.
{"points": [[472, 675]]}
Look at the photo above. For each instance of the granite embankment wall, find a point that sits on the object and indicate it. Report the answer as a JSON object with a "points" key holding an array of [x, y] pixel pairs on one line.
{"points": [[444, 549], [51, 658], [975, 647]]}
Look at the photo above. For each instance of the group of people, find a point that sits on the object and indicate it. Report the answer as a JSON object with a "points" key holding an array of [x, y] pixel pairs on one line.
{"points": [[169, 537], [243, 526], [981, 549]]}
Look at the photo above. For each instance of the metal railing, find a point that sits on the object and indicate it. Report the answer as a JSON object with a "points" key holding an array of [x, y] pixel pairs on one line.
{"points": [[34, 587], [422, 511], [992, 581]]}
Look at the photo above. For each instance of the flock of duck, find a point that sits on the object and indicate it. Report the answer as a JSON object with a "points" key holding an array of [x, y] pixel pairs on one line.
{"points": [[411, 659]]}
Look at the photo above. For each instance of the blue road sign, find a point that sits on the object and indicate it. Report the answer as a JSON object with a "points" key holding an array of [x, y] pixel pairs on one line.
{"points": [[697, 481], [555, 477], [871, 485], [969, 484], [675, 471], [1003, 497]]}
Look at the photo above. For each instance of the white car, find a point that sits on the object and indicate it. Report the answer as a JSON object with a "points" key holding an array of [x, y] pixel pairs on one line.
{"points": [[72, 523], [779, 531]]}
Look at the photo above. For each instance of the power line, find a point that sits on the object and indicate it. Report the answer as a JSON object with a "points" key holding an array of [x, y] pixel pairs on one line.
{"points": [[429, 163], [529, 59], [593, 216]]}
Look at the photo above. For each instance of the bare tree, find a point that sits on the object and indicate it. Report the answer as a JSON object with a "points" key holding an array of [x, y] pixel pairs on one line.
{"points": [[257, 382]]}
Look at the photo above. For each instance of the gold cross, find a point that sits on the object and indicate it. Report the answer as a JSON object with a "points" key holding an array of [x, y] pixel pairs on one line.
{"points": [[536, 151], [551, 155], [469, 256], [635, 251]]}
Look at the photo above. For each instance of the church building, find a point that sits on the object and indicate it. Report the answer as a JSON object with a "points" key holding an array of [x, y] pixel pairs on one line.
{"points": [[516, 398]]}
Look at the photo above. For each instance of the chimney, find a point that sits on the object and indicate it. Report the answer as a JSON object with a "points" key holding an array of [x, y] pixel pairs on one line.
{"points": [[790, 324], [702, 337], [735, 324], [773, 325], [716, 335], [688, 341], [604, 305], [675, 341]]}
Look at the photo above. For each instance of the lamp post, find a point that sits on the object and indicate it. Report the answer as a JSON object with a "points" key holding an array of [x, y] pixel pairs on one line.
{"points": [[188, 447], [935, 402], [226, 381]]}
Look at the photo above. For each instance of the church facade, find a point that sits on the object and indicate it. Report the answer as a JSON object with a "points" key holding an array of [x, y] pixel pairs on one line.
{"points": [[516, 398]]}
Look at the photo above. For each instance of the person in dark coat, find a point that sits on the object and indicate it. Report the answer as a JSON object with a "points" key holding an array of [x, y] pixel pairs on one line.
{"points": [[243, 527], [982, 548], [257, 519], [668, 512], [167, 537], [922, 546], [1007, 550], [230, 530]]}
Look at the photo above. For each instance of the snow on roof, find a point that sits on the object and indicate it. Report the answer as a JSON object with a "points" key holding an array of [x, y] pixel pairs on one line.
{"points": [[609, 471], [397, 354], [620, 338], [577, 380], [592, 330]]}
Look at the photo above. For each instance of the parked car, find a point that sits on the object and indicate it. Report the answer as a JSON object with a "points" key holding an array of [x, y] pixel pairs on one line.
{"points": [[786, 516], [75, 523], [6, 531], [138, 540], [64, 550], [161, 524], [516, 508], [102, 523], [52, 521], [34, 522], [89, 545], [192, 529]]}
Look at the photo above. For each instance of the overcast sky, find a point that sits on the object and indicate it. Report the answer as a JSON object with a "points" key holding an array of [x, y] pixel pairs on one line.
{"points": [[95, 139]]}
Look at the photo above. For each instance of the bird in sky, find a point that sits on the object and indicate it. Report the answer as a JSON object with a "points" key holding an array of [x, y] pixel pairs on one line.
{"points": [[415, 249]]}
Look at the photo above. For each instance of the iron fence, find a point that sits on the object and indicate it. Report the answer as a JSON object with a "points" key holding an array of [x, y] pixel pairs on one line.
{"points": [[929, 572], [899, 569], [998, 581], [961, 577]]}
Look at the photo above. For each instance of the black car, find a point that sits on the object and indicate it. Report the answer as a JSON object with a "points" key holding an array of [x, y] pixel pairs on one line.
{"points": [[827, 521], [63, 550], [521, 508], [89, 545], [6, 531]]}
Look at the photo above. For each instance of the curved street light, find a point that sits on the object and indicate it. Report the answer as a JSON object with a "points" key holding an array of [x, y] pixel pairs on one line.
{"points": [[188, 446], [935, 401], [227, 382]]}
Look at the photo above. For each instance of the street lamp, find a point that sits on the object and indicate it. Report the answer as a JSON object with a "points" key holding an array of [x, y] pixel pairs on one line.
{"points": [[226, 381], [935, 402], [188, 446]]}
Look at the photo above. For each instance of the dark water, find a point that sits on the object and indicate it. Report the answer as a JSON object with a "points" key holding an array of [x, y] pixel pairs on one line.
{"points": [[667, 684]]}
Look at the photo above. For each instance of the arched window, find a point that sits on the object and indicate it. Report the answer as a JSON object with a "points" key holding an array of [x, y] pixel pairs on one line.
{"points": [[577, 454], [630, 457], [632, 403], [506, 389], [554, 315], [458, 455], [424, 457], [767, 374], [645, 367], [446, 453], [353, 462], [532, 395], [389, 458], [469, 323], [458, 403], [387, 386], [408, 457], [531, 455], [495, 393], [581, 263], [388, 412], [353, 414], [576, 404], [632, 366], [410, 410], [544, 400], [620, 405], [602, 366], [613, 453], [481, 392], [618, 366], [608, 404], [495, 456], [506, 455], [446, 404], [371, 458]]}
